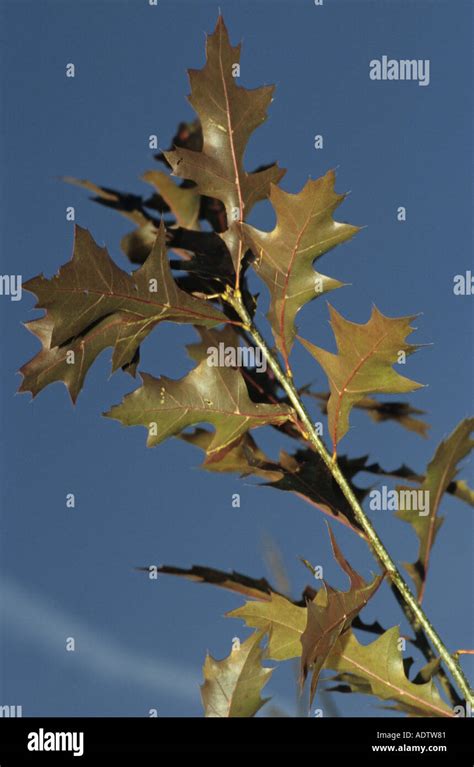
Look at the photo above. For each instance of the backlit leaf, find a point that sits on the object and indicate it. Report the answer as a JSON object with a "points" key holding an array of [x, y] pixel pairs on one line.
{"points": [[183, 202], [287, 622], [228, 114], [216, 395], [377, 669], [305, 229], [440, 473], [92, 304], [329, 615], [233, 686], [363, 364], [400, 412]]}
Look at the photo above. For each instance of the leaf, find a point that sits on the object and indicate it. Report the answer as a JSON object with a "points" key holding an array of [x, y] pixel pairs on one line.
{"points": [[305, 229], [129, 205], [287, 622], [236, 582], [51, 363], [329, 615], [441, 471], [92, 304], [216, 395], [224, 337], [183, 202], [138, 244], [245, 458], [377, 669], [233, 686], [228, 114], [462, 491], [241, 584], [306, 474], [458, 488], [400, 412], [363, 364]]}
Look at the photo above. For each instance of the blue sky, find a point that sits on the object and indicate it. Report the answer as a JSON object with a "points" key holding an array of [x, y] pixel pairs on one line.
{"points": [[69, 572]]}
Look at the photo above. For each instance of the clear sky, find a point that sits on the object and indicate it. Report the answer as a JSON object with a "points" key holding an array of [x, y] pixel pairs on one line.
{"points": [[69, 572]]}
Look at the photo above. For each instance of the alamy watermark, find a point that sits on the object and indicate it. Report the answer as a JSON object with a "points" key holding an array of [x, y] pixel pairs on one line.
{"points": [[236, 356], [400, 500], [400, 69], [44, 740], [11, 285]]}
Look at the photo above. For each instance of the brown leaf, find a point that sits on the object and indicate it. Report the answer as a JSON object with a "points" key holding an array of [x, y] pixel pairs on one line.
{"points": [[363, 364], [329, 615], [92, 304], [441, 471], [305, 230], [228, 114]]}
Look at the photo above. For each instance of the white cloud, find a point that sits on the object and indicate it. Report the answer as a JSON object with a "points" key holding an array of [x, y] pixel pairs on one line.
{"points": [[36, 618]]}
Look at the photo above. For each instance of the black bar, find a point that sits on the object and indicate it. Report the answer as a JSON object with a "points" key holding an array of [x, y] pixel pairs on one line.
{"points": [[447, 740]]}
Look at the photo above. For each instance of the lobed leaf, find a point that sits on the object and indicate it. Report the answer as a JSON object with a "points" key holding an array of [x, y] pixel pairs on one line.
{"points": [[184, 202], [233, 686], [216, 395], [400, 412], [305, 229], [363, 363], [329, 615], [286, 622], [377, 669], [441, 472], [310, 631], [228, 115], [92, 304]]}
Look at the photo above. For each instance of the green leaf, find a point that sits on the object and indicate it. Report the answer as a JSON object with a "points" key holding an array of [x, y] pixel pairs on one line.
{"points": [[245, 458], [233, 686], [228, 114], [216, 395], [377, 669], [329, 615], [287, 622], [184, 203], [363, 364], [92, 304], [461, 490], [441, 471], [305, 229]]}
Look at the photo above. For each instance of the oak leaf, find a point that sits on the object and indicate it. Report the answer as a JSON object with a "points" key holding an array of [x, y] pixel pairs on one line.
{"points": [[92, 304], [228, 115], [183, 202], [400, 412], [377, 669], [233, 686], [363, 363], [441, 472], [329, 614], [216, 395], [284, 257]]}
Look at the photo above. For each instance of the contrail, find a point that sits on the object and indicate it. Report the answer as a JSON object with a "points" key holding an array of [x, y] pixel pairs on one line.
{"points": [[34, 617]]}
